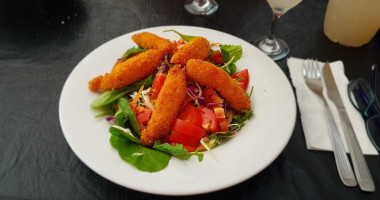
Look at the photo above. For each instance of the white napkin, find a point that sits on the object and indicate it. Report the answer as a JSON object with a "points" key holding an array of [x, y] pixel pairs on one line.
{"points": [[313, 118]]}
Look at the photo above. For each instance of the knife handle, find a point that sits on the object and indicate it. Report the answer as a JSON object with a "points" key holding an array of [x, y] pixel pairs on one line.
{"points": [[343, 164], [363, 175]]}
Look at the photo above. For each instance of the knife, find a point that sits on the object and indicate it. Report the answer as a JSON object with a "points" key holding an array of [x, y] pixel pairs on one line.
{"points": [[362, 172]]}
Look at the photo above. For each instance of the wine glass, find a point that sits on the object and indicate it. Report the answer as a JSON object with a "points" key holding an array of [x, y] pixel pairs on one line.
{"points": [[269, 44], [201, 7]]}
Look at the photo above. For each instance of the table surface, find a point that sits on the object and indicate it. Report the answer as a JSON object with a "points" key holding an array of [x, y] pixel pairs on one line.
{"points": [[41, 42]]}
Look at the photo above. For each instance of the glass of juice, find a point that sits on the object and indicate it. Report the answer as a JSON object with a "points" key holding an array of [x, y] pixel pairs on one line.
{"points": [[352, 22]]}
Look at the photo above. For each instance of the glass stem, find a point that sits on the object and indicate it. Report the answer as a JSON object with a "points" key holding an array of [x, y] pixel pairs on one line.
{"points": [[276, 18]]}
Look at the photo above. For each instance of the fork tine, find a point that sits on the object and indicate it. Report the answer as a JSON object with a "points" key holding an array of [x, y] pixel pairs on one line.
{"points": [[313, 68], [306, 68], [304, 71], [310, 68], [317, 69]]}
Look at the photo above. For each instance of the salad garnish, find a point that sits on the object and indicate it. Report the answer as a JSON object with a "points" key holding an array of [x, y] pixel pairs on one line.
{"points": [[209, 112]]}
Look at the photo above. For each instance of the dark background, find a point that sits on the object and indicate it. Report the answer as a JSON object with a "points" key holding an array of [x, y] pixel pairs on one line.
{"points": [[41, 42]]}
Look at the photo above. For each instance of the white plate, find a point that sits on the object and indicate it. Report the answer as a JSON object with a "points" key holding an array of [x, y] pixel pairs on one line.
{"points": [[254, 148]]}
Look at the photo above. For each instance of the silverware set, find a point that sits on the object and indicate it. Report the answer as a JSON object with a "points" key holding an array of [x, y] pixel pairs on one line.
{"points": [[313, 77]]}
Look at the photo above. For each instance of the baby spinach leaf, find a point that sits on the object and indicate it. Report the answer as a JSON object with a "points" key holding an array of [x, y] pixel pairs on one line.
{"points": [[177, 151], [110, 96], [143, 158], [120, 131], [106, 112], [120, 119], [187, 38], [128, 112], [228, 51], [131, 52]]}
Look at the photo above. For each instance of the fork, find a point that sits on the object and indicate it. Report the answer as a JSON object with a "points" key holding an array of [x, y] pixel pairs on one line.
{"points": [[313, 79]]}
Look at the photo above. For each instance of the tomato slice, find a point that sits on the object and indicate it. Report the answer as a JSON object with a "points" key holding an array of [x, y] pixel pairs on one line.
{"points": [[143, 118], [209, 122], [158, 82], [165, 139], [191, 114], [217, 57], [182, 138], [143, 115], [187, 147], [181, 126], [178, 43], [244, 76]]}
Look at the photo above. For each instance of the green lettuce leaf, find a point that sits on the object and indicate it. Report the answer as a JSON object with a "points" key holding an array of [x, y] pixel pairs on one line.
{"points": [[231, 54], [131, 52], [229, 67], [109, 97], [143, 158], [177, 151], [229, 51], [128, 112]]}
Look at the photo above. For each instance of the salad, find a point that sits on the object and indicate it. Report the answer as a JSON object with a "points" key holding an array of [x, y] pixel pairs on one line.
{"points": [[172, 98]]}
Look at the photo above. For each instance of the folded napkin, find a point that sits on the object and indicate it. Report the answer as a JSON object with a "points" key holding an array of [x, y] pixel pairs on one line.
{"points": [[314, 122]]}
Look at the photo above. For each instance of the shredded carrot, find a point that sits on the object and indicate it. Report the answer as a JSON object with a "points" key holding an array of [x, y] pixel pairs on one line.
{"points": [[215, 44], [201, 148], [138, 94], [224, 132], [229, 120]]}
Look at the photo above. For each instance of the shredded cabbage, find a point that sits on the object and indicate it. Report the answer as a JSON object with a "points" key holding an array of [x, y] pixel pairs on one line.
{"points": [[145, 96], [235, 127], [208, 149]]}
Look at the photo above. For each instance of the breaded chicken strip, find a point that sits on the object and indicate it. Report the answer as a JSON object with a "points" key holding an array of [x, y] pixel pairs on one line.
{"points": [[152, 41], [197, 48], [210, 75], [166, 107], [130, 71]]}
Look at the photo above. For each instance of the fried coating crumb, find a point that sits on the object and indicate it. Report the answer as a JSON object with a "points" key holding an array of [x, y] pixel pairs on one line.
{"points": [[130, 71], [94, 84], [210, 75], [152, 41], [167, 106], [197, 48]]}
